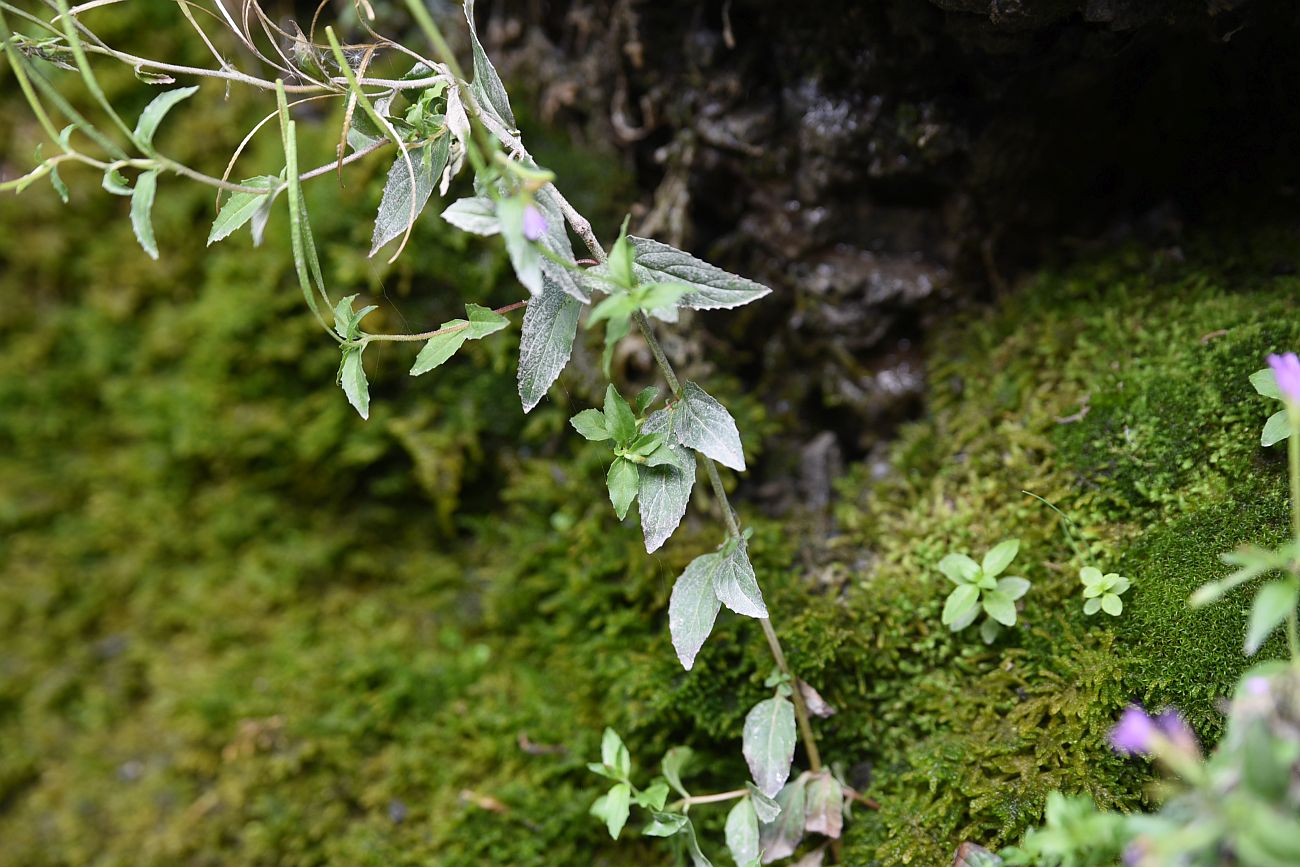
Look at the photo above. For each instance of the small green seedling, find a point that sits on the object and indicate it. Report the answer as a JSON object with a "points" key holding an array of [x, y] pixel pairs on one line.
{"points": [[980, 589], [1102, 592]]}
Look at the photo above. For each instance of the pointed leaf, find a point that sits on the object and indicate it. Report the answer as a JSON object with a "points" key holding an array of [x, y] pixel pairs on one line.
{"points": [[618, 416], [354, 382], [675, 761], [590, 423], [142, 210], [1265, 383], [705, 425], [525, 257], [780, 838], [692, 610], [960, 602], [825, 805], [489, 92], [239, 208], [1000, 557], [736, 584], [1272, 604], [1276, 429], [742, 832], [155, 111], [665, 825], [476, 215], [483, 321], [440, 347], [711, 287], [959, 568], [614, 754], [698, 858], [664, 494], [622, 480], [550, 324], [768, 743], [613, 807], [403, 201], [989, 630], [767, 809], [1000, 607], [1013, 587]]}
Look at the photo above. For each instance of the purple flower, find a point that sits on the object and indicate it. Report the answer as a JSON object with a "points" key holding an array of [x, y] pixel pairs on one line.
{"points": [[1286, 370], [1175, 728], [1135, 732], [535, 227]]}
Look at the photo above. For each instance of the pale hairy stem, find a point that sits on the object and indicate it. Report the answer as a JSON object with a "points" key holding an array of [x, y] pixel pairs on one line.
{"points": [[451, 329]]}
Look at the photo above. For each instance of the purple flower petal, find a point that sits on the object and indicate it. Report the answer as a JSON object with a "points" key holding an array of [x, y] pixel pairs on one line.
{"points": [[1134, 733], [534, 223], [1286, 370], [1175, 728]]}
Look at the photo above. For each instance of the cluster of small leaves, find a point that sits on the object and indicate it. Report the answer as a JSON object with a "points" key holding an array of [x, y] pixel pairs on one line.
{"points": [[1102, 592], [979, 589], [761, 826]]}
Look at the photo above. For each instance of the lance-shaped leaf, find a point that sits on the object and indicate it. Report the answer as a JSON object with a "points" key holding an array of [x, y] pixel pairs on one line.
{"points": [[768, 743], [742, 832], [476, 215], [525, 257], [675, 761], [142, 211], [441, 347], [402, 202], [1276, 429], [692, 609], [613, 807], [550, 324], [705, 425], [154, 113], [781, 837], [352, 376], [825, 805], [710, 287], [665, 825], [766, 808], [736, 584], [489, 92], [666, 488], [1272, 604], [239, 208]]}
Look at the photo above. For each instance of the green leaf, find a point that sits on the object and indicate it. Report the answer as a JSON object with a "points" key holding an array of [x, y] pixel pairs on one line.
{"points": [[590, 423], [142, 209], [613, 808], [698, 858], [618, 417], [960, 603], [617, 307], [353, 380], [742, 832], [623, 481], [1266, 383], [766, 808], [620, 259], [1112, 604], [710, 287], [666, 487], [525, 257], [959, 569], [1276, 429], [653, 797], [115, 183], [614, 753], [488, 91], [483, 321], [154, 113], [403, 200], [659, 296], [1013, 587], [644, 399], [615, 330], [440, 347], [1090, 576], [692, 610], [768, 743], [779, 838], [989, 630], [825, 805], [705, 425], [1272, 604], [674, 762], [1000, 607], [239, 208], [550, 325], [1000, 557], [736, 585], [475, 215], [646, 444], [343, 315], [665, 825], [1092, 606], [60, 188]]}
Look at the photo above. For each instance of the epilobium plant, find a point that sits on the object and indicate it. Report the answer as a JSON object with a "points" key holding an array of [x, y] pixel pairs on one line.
{"points": [[979, 589], [437, 122]]}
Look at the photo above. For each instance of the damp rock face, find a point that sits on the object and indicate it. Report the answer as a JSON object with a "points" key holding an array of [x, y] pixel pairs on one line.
{"points": [[882, 164]]}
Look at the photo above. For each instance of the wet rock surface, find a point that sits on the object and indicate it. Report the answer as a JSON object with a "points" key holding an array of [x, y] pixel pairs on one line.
{"points": [[884, 164]]}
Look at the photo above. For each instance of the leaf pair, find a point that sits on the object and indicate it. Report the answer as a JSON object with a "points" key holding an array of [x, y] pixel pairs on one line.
{"points": [[1278, 426], [811, 803], [146, 186], [452, 335], [724, 577]]}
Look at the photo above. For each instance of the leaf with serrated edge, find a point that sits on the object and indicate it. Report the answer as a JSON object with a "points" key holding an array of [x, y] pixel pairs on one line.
{"points": [[736, 584], [825, 805], [401, 202], [142, 211], [476, 215], [156, 110], [665, 490], [693, 608], [487, 88], [780, 838], [768, 743], [742, 832], [711, 287], [550, 324], [705, 425], [239, 208]]}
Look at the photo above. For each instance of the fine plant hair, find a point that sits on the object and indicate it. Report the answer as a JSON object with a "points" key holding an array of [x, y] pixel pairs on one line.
{"points": [[437, 119]]}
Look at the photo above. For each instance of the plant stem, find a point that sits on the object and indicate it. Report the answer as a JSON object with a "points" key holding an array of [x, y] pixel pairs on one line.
{"points": [[451, 329], [711, 799], [1293, 455]]}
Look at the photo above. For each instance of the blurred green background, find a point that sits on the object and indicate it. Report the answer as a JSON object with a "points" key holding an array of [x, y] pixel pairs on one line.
{"points": [[238, 625]]}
